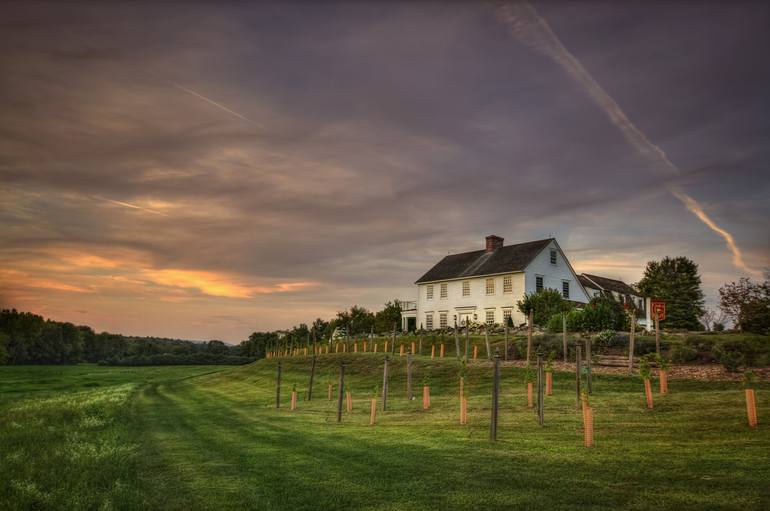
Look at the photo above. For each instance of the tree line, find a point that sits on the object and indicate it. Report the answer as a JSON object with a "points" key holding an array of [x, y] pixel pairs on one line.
{"points": [[27, 338]]}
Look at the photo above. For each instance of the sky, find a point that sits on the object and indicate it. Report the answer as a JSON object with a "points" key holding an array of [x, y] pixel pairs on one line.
{"points": [[203, 171]]}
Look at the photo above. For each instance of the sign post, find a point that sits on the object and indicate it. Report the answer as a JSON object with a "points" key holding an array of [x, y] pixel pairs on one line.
{"points": [[658, 309]]}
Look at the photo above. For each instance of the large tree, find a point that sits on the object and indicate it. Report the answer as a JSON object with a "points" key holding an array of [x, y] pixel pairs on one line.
{"points": [[747, 303], [676, 282]]}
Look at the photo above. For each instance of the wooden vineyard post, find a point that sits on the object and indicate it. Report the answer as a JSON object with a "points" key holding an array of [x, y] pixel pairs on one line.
{"points": [[375, 346], [419, 348], [413, 347], [751, 407], [393, 339], [278, 386], [340, 393], [589, 375], [486, 341], [409, 394], [657, 334], [495, 399], [386, 347], [564, 335], [457, 339], [425, 397], [475, 352], [505, 353], [467, 338], [329, 391], [529, 335], [631, 348], [385, 384], [312, 377], [294, 398], [442, 350], [349, 401], [373, 411], [433, 351], [462, 400], [577, 371], [540, 388]]}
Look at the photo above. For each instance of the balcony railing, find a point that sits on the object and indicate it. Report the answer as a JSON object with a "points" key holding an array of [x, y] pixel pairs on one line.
{"points": [[408, 305]]}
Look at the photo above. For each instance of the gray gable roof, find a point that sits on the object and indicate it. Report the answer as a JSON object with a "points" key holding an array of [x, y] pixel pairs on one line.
{"points": [[606, 284], [508, 258]]}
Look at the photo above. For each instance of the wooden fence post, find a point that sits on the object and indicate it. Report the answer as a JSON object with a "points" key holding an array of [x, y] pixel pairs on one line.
{"points": [[373, 412], [495, 397], [540, 385], [457, 340], [564, 334], [577, 371], [340, 394], [385, 384], [505, 353], [657, 335], [631, 348], [486, 341], [589, 376], [467, 338], [409, 394], [278, 386], [529, 336], [312, 376]]}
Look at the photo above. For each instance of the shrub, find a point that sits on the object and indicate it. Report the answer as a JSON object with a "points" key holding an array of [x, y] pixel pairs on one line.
{"points": [[544, 305], [732, 360], [682, 354], [718, 327], [606, 338]]}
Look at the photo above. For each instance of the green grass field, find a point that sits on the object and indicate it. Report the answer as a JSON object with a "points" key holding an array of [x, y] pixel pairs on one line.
{"points": [[90, 437]]}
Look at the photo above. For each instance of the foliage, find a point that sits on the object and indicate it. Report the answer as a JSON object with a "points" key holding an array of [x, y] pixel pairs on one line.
{"points": [[683, 353], [718, 327], [3, 348], [390, 315], [747, 303], [749, 379], [662, 362], [549, 361], [606, 338], [645, 370], [529, 374], [601, 313], [163, 359], [543, 305], [677, 282]]}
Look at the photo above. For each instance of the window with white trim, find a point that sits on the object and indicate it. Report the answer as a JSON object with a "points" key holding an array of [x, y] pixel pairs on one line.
{"points": [[490, 286], [466, 287], [443, 290], [429, 291], [429, 321], [442, 319], [565, 288], [508, 284], [553, 257], [506, 315], [538, 283], [490, 317]]}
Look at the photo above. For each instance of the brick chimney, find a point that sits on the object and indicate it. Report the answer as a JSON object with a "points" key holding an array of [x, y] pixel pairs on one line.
{"points": [[494, 242]]}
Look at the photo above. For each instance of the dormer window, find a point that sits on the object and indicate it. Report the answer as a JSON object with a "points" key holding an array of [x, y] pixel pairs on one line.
{"points": [[553, 257]]}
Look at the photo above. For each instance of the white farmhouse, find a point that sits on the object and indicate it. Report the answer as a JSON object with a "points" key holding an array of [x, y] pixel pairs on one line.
{"points": [[620, 291], [484, 285]]}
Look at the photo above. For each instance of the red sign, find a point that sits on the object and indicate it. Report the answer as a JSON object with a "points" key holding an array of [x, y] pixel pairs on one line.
{"points": [[658, 309]]}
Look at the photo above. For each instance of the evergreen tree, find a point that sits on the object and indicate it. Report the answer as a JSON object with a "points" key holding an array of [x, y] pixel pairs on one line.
{"points": [[676, 282]]}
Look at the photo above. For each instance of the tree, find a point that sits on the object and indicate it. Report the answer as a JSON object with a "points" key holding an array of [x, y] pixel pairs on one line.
{"points": [[543, 305], [675, 281], [747, 303], [4, 348], [390, 314]]}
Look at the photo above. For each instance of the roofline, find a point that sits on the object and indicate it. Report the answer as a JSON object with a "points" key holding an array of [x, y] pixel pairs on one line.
{"points": [[469, 277], [634, 293]]}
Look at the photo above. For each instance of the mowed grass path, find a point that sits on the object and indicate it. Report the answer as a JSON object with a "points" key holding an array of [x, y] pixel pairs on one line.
{"points": [[215, 441]]}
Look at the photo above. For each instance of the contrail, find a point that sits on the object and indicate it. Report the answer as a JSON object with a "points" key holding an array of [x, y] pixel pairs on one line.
{"points": [[132, 206], [532, 30], [218, 105]]}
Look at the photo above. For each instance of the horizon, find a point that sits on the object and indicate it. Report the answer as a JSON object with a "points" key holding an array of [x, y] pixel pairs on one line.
{"points": [[227, 169]]}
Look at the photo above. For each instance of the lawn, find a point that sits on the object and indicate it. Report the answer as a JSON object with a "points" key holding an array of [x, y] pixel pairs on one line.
{"points": [[89, 437]]}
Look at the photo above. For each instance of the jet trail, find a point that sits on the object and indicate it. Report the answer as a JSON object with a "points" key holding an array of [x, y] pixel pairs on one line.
{"points": [[218, 105], [132, 206], [532, 30]]}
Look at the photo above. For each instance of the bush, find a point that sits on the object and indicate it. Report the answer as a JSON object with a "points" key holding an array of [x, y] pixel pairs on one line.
{"points": [[606, 338], [682, 354], [544, 305], [718, 327], [732, 360]]}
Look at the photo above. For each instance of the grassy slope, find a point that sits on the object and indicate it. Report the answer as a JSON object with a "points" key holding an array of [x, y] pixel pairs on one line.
{"points": [[216, 442]]}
